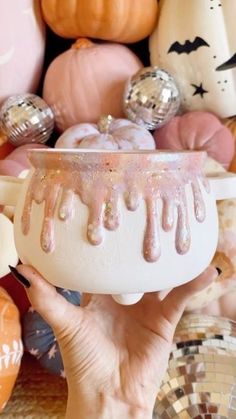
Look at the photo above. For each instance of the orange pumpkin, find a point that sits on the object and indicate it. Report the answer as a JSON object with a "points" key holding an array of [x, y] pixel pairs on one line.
{"points": [[11, 348], [122, 21], [231, 124]]}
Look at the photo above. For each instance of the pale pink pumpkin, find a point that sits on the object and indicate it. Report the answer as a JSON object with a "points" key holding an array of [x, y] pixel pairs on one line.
{"points": [[198, 131], [10, 168], [22, 45], [88, 81], [108, 134], [19, 154]]}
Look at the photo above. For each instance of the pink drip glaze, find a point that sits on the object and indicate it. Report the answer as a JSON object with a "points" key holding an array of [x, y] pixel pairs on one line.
{"points": [[151, 244], [111, 213], [199, 206], [183, 235], [132, 200], [168, 214], [66, 206], [101, 180]]}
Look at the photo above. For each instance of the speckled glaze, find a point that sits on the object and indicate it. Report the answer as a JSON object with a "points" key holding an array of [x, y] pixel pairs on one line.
{"points": [[101, 180], [116, 222]]}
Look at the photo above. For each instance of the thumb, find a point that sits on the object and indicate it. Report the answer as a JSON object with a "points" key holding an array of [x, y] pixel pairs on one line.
{"points": [[53, 307], [175, 302]]}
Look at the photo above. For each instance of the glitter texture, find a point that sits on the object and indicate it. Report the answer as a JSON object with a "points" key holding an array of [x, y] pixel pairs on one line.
{"points": [[101, 179]]}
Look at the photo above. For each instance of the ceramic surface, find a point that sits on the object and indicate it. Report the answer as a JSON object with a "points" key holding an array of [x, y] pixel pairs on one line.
{"points": [[120, 223]]}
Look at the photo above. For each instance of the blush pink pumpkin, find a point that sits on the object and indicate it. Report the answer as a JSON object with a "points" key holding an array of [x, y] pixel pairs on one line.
{"points": [[19, 154], [88, 81], [108, 134], [198, 131], [22, 45], [10, 168]]}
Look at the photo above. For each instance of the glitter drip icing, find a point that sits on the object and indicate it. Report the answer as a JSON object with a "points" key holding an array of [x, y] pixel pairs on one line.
{"points": [[101, 180]]}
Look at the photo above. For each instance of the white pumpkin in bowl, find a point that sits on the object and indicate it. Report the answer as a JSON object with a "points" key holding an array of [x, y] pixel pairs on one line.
{"points": [[196, 42], [108, 134]]}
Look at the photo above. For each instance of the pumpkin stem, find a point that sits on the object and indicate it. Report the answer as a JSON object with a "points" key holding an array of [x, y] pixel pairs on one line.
{"points": [[82, 43], [104, 123]]}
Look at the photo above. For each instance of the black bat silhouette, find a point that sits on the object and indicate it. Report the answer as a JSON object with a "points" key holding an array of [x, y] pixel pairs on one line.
{"points": [[188, 46]]}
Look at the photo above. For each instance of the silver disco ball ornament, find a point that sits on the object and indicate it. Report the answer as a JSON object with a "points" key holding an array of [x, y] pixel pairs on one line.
{"points": [[201, 376], [151, 98], [26, 119]]}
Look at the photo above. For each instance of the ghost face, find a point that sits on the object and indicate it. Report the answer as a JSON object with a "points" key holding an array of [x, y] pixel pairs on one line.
{"points": [[196, 41]]}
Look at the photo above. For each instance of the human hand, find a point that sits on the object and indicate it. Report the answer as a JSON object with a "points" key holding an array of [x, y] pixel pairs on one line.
{"points": [[114, 356]]}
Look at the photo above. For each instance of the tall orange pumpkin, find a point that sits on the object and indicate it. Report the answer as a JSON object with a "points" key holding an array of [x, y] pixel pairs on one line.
{"points": [[11, 347], [124, 21], [231, 124]]}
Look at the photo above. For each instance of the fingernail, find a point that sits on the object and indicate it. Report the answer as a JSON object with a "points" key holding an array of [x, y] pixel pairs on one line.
{"points": [[219, 270], [19, 277]]}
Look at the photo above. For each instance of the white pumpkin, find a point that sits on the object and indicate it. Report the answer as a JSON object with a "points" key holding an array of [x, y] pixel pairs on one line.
{"points": [[108, 134], [196, 42]]}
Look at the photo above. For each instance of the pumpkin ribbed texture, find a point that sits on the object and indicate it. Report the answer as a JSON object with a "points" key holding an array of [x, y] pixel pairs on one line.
{"points": [[88, 81], [231, 124], [114, 20]]}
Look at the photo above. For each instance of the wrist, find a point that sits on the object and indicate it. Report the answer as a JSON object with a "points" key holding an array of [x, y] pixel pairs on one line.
{"points": [[103, 406]]}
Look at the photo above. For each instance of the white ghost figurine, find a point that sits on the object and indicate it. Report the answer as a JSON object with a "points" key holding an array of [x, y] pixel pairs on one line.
{"points": [[195, 40]]}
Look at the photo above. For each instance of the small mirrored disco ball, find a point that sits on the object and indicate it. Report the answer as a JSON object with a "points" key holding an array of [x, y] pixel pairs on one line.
{"points": [[151, 98], [26, 119]]}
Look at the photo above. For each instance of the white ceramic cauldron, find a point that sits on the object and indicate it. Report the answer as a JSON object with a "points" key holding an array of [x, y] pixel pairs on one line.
{"points": [[120, 223]]}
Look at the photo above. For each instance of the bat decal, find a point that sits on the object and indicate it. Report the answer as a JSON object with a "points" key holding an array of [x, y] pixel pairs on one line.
{"points": [[231, 63], [188, 46]]}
